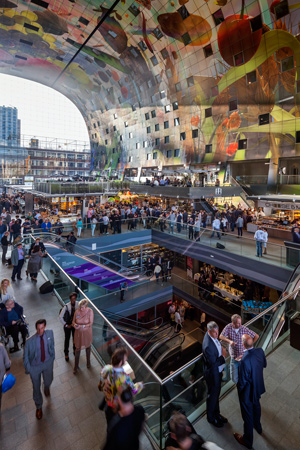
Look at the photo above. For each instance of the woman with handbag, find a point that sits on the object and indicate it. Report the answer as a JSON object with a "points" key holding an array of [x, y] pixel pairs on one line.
{"points": [[82, 322], [35, 262]]}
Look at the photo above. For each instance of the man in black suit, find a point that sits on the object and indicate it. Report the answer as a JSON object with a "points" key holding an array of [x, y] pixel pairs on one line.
{"points": [[214, 361], [250, 388]]}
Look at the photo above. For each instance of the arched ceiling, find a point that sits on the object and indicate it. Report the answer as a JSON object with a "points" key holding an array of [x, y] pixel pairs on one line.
{"points": [[120, 61]]}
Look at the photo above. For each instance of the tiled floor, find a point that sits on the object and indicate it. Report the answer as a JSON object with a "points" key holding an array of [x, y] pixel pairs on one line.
{"points": [[280, 408]]}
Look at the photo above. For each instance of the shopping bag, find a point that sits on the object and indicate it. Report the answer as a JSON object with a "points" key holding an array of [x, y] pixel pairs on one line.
{"points": [[8, 382]]}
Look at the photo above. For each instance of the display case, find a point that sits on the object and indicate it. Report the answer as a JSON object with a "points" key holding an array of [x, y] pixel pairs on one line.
{"points": [[275, 229]]}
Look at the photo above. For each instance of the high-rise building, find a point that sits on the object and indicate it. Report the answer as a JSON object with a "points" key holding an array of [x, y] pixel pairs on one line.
{"points": [[9, 125]]}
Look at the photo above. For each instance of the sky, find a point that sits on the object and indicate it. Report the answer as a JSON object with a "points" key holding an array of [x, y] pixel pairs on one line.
{"points": [[43, 111]]}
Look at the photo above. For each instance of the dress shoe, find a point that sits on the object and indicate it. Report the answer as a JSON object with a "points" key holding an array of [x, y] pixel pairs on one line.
{"points": [[39, 413], [13, 279], [67, 358], [240, 440], [222, 419], [217, 423], [20, 278], [258, 430], [14, 349], [47, 392]]}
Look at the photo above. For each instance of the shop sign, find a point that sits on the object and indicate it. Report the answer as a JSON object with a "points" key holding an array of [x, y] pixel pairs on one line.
{"points": [[63, 199], [292, 206], [218, 191], [71, 199]]}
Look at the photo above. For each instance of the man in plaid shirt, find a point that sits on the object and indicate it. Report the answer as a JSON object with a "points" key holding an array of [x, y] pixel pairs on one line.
{"points": [[232, 334]]}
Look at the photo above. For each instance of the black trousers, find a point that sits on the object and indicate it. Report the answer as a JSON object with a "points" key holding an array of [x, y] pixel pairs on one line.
{"points": [[14, 330], [213, 394], [17, 269], [68, 332], [4, 251], [251, 413]]}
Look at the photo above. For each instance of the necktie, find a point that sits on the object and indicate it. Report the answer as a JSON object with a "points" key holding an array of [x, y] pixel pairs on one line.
{"points": [[42, 350]]}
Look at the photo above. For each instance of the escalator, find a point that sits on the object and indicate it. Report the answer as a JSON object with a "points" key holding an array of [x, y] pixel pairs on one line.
{"points": [[166, 354], [206, 206]]}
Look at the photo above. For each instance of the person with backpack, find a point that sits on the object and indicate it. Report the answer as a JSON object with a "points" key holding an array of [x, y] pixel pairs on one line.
{"points": [[66, 316], [113, 378]]}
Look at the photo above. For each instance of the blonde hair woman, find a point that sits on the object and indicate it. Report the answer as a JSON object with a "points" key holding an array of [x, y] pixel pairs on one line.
{"points": [[6, 290], [83, 337]]}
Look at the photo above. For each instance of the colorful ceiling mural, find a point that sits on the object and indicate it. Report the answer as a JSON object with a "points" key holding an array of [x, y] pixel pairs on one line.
{"points": [[163, 83]]}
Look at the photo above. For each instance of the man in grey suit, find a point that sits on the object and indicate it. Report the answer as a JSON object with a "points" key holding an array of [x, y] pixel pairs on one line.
{"points": [[39, 355]]}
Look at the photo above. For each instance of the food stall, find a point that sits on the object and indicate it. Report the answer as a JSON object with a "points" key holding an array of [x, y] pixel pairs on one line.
{"points": [[275, 227]]}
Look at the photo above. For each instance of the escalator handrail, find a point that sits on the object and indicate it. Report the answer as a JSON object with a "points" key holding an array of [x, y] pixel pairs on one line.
{"points": [[109, 313], [163, 356], [155, 343]]}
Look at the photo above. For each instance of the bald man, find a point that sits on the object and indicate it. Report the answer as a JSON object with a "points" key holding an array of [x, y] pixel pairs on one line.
{"points": [[250, 388]]}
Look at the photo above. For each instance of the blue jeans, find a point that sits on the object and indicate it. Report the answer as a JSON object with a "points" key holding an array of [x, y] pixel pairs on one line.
{"points": [[171, 228], [218, 233], [259, 246], [234, 370]]}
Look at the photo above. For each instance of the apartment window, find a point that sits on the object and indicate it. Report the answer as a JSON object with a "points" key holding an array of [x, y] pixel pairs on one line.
{"points": [[107, 131], [167, 139], [233, 105], [281, 9], [167, 108], [208, 51], [157, 127], [176, 152], [175, 106], [148, 156], [195, 134], [208, 112], [176, 121], [162, 94], [287, 63], [154, 60], [134, 9], [166, 124], [208, 148], [256, 23], [158, 78], [121, 137], [142, 46], [238, 59], [115, 116], [190, 81], [178, 87], [164, 53], [157, 141], [251, 77], [218, 17], [126, 124], [130, 159], [148, 130], [115, 128], [186, 39], [264, 119], [242, 144], [130, 135], [157, 33], [297, 137], [137, 145], [106, 142], [153, 114], [114, 150], [133, 108], [182, 136], [155, 155], [145, 144], [147, 116], [169, 154]]}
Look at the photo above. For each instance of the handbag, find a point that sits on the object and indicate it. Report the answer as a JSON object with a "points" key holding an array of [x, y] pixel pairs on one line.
{"points": [[8, 382]]}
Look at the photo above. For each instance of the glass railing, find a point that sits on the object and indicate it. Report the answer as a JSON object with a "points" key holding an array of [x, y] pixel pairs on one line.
{"points": [[184, 388]]}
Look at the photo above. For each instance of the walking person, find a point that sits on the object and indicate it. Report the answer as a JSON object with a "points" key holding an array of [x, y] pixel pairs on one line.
{"points": [[216, 228], [4, 367], [123, 288], [126, 426], [232, 334], [39, 355], [17, 259], [35, 262], [266, 240], [250, 388], [259, 237], [178, 321], [197, 227], [71, 241], [94, 224], [82, 322], [214, 362], [190, 223], [169, 268], [66, 317], [4, 245], [157, 271], [79, 226], [202, 321], [240, 224], [113, 378]]}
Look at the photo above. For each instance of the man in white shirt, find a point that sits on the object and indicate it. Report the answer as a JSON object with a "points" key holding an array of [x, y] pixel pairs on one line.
{"points": [[260, 239], [216, 227]]}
